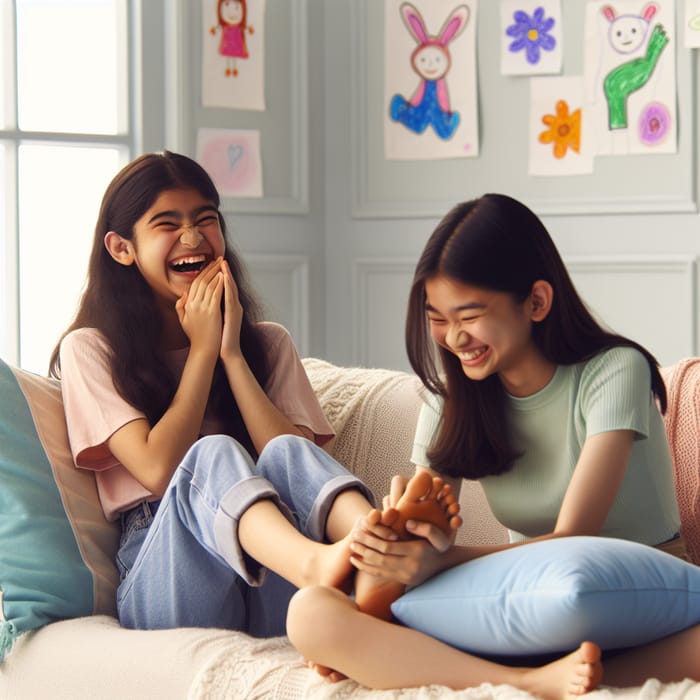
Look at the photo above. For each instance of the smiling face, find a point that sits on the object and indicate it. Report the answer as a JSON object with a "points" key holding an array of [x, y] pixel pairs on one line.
{"points": [[232, 11], [431, 62], [174, 240], [489, 332]]}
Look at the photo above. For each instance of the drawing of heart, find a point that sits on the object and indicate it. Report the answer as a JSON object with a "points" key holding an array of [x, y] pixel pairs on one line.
{"points": [[235, 153]]}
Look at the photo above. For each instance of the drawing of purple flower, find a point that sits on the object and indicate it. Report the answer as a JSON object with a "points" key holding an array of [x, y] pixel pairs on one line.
{"points": [[531, 34], [654, 123]]}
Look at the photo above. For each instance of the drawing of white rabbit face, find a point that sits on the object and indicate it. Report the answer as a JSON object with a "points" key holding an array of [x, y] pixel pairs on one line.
{"points": [[431, 62], [628, 32]]}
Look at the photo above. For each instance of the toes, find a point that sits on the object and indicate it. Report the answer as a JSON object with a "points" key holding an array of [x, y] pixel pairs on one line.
{"points": [[418, 487], [389, 517]]}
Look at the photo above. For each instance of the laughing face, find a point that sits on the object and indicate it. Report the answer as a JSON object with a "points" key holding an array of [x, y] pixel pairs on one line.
{"points": [[174, 240], [489, 332]]}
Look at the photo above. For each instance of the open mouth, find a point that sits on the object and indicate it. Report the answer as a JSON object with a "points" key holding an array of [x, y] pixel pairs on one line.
{"points": [[192, 263]]}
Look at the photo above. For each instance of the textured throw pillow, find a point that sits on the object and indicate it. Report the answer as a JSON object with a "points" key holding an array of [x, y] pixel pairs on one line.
{"points": [[56, 547], [550, 596]]}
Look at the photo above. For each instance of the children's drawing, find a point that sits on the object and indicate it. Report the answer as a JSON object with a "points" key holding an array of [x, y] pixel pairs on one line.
{"points": [[430, 103], [232, 26], [564, 146], [232, 158], [233, 54], [531, 37], [628, 32], [531, 34], [564, 129], [654, 123], [430, 79], [630, 75], [692, 24]]}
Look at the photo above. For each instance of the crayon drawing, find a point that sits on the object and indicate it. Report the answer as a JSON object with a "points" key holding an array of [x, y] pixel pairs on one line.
{"points": [[631, 76], [430, 79], [559, 142], [691, 24], [531, 37], [233, 54], [232, 158]]}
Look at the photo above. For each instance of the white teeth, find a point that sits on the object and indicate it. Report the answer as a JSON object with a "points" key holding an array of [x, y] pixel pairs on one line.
{"points": [[192, 259], [472, 354]]}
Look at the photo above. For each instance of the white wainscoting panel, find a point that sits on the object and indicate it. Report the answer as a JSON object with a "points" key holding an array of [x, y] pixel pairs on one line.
{"points": [[282, 281], [651, 300], [380, 294]]}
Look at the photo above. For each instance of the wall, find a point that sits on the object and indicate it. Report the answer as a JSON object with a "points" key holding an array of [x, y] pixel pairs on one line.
{"points": [[336, 260]]}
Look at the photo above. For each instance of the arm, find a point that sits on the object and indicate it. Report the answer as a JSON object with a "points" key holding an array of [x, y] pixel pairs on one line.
{"points": [[262, 418], [152, 453], [587, 502]]}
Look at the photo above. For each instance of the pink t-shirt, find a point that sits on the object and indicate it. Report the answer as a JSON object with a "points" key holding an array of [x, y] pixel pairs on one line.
{"points": [[95, 410]]}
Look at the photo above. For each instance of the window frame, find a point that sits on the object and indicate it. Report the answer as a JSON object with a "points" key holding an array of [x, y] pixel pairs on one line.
{"points": [[129, 141]]}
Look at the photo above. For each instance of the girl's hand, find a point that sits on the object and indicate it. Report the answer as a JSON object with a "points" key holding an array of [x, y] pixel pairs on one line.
{"points": [[409, 562], [233, 316], [199, 308]]}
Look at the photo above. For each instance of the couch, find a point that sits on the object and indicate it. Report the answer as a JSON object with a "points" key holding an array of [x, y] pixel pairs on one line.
{"points": [[65, 643]]}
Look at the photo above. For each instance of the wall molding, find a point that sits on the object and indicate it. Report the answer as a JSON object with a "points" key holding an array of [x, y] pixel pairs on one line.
{"points": [[684, 310], [183, 90], [362, 270], [294, 270]]}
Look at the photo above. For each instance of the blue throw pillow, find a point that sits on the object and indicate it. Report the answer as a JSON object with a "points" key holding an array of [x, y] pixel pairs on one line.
{"points": [[56, 547], [550, 596]]}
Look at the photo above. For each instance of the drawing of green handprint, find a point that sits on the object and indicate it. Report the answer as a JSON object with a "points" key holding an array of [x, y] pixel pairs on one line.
{"points": [[630, 77]]}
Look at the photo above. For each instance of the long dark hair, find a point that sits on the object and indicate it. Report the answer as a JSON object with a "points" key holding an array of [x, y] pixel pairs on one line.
{"points": [[497, 243], [118, 302]]}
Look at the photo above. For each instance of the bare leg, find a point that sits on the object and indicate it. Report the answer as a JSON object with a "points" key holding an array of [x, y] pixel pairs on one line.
{"points": [[670, 659], [267, 536], [326, 626]]}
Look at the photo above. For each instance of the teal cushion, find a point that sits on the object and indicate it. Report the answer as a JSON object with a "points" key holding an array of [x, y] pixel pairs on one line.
{"points": [[549, 596], [56, 548]]}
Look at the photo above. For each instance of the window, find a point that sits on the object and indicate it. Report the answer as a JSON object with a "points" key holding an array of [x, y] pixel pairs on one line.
{"points": [[66, 127]]}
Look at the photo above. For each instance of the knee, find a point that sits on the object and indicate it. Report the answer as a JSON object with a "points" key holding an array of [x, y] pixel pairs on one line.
{"points": [[214, 457], [285, 443], [314, 619]]}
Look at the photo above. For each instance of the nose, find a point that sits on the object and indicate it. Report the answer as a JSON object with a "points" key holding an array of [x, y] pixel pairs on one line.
{"points": [[190, 237], [456, 337]]}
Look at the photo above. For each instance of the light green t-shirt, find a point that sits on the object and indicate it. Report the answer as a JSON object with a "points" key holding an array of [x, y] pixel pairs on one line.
{"points": [[612, 391]]}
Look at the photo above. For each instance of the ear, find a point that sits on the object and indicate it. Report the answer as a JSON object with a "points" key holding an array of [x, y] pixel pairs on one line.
{"points": [[454, 24], [649, 11], [414, 22], [609, 13], [120, 248], [541, 297]]}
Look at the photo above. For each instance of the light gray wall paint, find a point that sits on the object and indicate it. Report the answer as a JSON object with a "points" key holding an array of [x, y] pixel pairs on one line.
{"points": [[334, 241]]}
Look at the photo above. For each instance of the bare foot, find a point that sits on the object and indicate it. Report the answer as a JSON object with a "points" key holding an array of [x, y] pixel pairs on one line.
{"points": [[375, 594], [325, 672], [569, 677], [329, 565], [426, 499]]}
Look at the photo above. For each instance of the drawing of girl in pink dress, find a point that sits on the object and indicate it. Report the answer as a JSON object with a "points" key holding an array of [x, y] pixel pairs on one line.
{"points": [[232, 22]]}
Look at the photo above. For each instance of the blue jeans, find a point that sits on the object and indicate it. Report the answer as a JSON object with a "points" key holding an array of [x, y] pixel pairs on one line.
{"points": [[180, 560]]}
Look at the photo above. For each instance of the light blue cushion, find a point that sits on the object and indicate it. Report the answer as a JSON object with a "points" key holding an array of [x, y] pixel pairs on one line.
{"points": [[550, 596], [56, 548]]}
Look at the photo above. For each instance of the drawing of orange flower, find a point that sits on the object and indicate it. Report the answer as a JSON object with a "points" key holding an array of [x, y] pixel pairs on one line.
{"points": [[564, 129]]}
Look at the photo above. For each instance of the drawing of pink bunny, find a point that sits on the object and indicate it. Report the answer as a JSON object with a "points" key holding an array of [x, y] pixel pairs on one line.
{"points": [[430, 104]]}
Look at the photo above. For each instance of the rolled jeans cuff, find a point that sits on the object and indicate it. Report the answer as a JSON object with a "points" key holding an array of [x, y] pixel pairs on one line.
{"points": [[233, 504]]}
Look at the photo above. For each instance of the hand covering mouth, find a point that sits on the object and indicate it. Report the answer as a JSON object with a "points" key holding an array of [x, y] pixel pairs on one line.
{"points": [[188, 263]]}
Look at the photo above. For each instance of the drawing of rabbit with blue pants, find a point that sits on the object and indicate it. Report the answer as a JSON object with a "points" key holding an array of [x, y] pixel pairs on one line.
{"points": [[430, 104]]}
